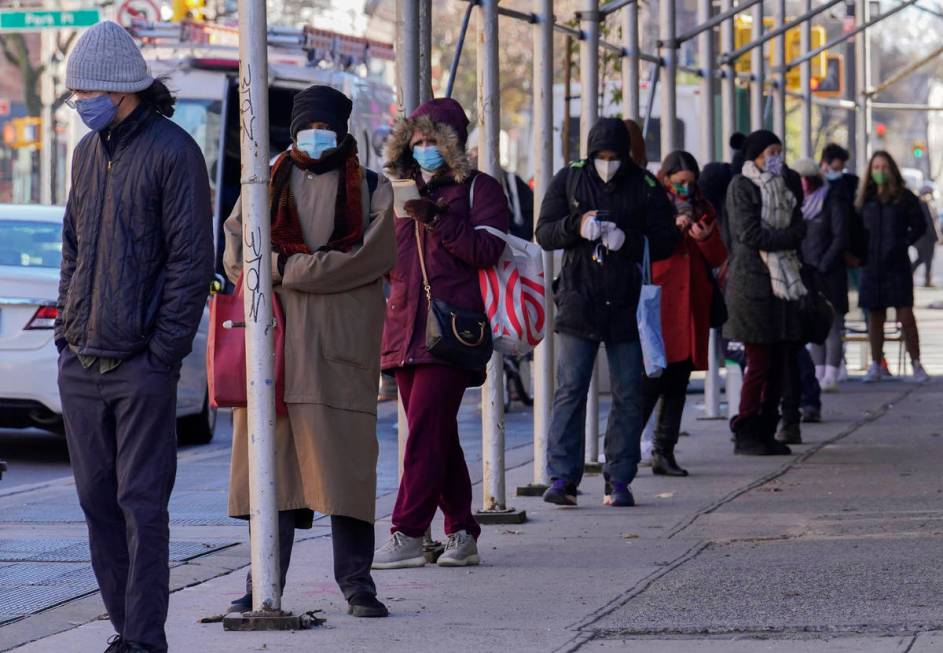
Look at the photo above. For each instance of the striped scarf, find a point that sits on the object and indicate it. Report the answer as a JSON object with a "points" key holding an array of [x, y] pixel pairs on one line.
{"points": [[778, 204]]}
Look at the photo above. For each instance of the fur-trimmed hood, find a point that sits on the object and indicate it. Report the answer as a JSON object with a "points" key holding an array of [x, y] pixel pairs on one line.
{"points": [[400, 163]]}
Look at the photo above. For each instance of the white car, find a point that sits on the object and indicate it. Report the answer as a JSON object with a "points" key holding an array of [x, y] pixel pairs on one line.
{"points": [[30, 252]]}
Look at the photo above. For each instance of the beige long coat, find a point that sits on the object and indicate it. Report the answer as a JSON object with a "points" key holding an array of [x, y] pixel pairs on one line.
{"points": [[326, 447]]}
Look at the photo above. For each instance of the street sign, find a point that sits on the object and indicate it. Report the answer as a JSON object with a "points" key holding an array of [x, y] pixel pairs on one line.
{"points": [[142, 10], [36, 20]]}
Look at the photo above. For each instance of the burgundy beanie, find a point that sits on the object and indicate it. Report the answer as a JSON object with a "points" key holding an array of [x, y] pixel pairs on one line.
{"points": [[447, 111]]}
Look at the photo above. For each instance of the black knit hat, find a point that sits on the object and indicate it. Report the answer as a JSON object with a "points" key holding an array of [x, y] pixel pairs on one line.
{"points": [[321, 104], [758, 141]]}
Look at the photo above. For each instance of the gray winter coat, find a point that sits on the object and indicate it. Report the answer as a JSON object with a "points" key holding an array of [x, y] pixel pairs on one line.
{"points": [[755, 315]]}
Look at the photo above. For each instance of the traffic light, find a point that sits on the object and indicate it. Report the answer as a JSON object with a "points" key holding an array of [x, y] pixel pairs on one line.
{"points": [[919, 150], [22, 132], [832, 83], [188, 10]]}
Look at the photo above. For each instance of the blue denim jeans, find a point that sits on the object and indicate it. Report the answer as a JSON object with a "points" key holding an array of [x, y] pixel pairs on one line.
{"points": [[566, 439]]}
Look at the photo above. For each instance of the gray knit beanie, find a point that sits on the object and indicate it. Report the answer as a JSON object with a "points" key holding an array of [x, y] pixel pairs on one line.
{"points": [[106, 58]]}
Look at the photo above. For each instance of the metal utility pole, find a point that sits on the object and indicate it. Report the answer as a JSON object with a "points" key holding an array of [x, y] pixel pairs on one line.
{"points": [[728, 85], [861, 75], [543, 173], [805, 76], [425, 50], [758, 70], [495, 508], [407, 55], [779, 80], [589, 112], [260, 347], [667, 22], [631, 99], [705, 47]]}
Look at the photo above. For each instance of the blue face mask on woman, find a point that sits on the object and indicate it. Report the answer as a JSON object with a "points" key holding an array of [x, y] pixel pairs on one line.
{"points": [[97, 112], [315, 142], [428, 157], [774, 164]]}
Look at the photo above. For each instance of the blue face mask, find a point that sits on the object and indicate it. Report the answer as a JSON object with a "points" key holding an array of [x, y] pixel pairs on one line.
{"points": [[97, 112], [315, 142], [774, 164], [428, 157], [834, 175]]}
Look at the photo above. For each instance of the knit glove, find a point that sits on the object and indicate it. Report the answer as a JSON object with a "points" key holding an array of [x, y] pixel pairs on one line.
{"points": [[424, 211], [613, 239], [590, 229]]}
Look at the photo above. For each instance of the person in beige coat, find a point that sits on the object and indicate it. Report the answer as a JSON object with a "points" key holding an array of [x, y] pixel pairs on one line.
{"points": [[332, 241]]}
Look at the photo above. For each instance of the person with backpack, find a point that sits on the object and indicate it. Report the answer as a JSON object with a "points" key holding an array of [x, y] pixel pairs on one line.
{"points": [[602, 211], [332, 243], [691, 303], [137, 263], [440, 250], [894, 220]]}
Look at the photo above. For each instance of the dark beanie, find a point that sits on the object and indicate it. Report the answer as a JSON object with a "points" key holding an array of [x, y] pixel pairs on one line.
{"points": [[320, 104], [758, 141], [445, 111]]}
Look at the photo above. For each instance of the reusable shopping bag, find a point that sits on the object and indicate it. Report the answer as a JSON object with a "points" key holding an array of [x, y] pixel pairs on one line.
{"points": [[648, 317]]}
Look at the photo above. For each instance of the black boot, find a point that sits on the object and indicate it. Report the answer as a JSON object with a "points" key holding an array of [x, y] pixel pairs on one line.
{"points": [[664, 463], [753, 437]]}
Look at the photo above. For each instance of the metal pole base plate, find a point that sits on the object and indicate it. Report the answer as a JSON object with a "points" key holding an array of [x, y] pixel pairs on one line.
{"points": [[531, 490], [268, 620], [592, 468], [509, 516]]}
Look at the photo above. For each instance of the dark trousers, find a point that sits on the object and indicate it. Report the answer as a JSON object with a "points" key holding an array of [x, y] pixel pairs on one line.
{"points": [[434, 468], [121, 432], [801, 389], [767, 368], [353, 541], [669, 392]]}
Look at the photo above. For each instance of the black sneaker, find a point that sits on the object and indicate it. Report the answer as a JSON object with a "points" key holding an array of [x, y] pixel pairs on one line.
{"points": [[242, 604], [115, 644], [367, 606], [561, 493]]}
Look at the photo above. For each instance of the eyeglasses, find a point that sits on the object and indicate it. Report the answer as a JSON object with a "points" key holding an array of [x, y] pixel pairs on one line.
{"points": [[70, 101]]}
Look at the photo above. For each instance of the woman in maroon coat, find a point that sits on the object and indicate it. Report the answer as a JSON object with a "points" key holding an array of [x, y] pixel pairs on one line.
{"points": [[686, 291], [429, 148]]}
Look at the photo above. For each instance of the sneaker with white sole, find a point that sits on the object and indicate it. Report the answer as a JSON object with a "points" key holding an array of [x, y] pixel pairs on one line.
{"points": [[400, 552], [460, 551], [920, 375], [874, 374]]}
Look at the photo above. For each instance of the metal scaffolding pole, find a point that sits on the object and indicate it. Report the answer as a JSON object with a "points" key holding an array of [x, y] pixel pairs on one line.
{"points": [[805, 76], [47, 129], [861, 74], [260, 345], [706, 56], [631, 96], [407, 55], [757, 67], [425, 50], [667, 22], [492, 396], [779, 77], [728, 85], [589, 112], [543, 173]]}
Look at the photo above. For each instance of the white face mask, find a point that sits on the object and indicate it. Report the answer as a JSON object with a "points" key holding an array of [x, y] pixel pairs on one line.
{"points": [[606, 169]]}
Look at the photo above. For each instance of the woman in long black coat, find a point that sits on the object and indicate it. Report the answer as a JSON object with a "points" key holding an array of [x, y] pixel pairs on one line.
{"points": [[894, 221]]}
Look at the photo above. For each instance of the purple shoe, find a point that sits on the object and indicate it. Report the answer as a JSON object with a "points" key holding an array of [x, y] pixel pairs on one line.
{"points": [[561, 493]]}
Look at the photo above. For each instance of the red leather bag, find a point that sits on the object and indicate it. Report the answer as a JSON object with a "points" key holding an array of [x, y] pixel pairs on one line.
{"points": [[226, 352]]}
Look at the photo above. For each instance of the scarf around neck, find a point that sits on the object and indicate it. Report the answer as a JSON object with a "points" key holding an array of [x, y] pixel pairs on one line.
{"points": [[287, 235], [813, 202], [776, 214]]}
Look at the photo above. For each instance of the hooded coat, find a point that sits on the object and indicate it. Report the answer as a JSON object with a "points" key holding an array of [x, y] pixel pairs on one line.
{"points": [[887, 279], [454, 250], [599, 301]]}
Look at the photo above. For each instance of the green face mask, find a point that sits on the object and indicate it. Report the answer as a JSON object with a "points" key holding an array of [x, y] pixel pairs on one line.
{"points": [[879, 177], [681, 189]]}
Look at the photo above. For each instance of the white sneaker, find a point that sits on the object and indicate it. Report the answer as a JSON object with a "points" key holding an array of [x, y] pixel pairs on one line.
{"points": [[400, 552], [460, 551], [820, 373], [829, 380], [842, 372], [920, 375], [874, 374]]}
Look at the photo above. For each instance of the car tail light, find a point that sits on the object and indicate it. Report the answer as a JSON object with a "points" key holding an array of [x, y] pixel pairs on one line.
{"points": [[44, 318]]}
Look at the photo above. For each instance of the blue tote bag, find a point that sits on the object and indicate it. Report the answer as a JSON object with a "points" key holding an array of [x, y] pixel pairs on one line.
{"points": [[648, 317]]}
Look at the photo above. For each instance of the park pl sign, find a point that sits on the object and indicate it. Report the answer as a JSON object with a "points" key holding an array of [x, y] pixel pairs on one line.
{"points": [[30, 20]]}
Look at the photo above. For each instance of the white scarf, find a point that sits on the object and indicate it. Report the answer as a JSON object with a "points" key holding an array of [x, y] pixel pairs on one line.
{"points": [[778, 204]]}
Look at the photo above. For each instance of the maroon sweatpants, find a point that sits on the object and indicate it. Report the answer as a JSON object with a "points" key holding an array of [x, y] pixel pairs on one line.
{"points": [[434, 469], [767, 366]]}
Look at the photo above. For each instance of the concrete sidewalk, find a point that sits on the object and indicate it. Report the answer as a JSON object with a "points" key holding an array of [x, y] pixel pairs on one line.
{"points": [[834, 549]]}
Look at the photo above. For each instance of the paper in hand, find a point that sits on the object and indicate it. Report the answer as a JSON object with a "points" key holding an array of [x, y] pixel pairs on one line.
{"points": [[403, 191]]}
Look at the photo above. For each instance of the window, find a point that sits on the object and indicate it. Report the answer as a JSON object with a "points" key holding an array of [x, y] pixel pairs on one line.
{"points": [[30, 244]]}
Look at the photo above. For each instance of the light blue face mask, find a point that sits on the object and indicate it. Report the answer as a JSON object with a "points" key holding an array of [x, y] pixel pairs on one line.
{"points": [[834, 175], [315, 142], [774, 164], [428, 157]]}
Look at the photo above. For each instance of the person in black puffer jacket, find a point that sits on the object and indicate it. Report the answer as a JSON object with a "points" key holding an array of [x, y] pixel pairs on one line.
{"points": [[599, 211], [894, 221], [137, 262]]}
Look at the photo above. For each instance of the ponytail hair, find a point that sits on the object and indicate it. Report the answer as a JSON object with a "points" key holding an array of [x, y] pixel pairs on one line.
{"points": [[159, 98]]}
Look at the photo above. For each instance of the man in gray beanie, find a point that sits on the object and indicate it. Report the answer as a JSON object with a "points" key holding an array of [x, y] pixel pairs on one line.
{"points": [[137, 260]]}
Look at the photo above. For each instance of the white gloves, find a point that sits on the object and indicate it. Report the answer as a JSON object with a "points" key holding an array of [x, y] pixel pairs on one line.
{"points": [[614, 238], [591, 229]]}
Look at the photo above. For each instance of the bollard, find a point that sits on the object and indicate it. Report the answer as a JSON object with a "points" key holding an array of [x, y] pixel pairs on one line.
{"points": [[733, 387], [712, 381], [494, 509]]}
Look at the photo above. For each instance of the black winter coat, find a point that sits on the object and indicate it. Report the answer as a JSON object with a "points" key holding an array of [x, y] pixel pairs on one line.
{"points": [[887, 279], [137, 242], [755, 315], [599, 302], [824, 247]]}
